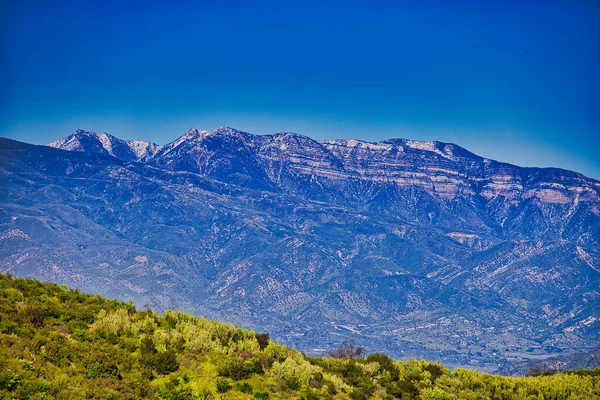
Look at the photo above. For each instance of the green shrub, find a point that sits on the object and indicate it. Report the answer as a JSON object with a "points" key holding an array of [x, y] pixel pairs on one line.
{"points": [[293, 383], [436, 370], [56, 349], [385, 363], [165, 362], [253, 366], [12, 294], [102, 367], [118, 356], [33, 315], [405, 389], [263, 340], [206, 395], [222, 385], [244, 387], [81, 335]]}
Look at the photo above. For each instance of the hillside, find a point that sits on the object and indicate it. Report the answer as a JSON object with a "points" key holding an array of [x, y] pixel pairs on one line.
{"points": [[417, 249], [57, 343], [587, 360]]}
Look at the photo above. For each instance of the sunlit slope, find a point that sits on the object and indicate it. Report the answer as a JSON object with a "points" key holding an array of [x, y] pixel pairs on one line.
{"points": [[58, 343]]}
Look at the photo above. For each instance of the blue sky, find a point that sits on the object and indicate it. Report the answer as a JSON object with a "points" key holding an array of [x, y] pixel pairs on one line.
{"points": [[512, 81]]}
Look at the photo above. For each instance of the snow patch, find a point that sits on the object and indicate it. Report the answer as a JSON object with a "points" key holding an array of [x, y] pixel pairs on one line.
{"points": [[431, 147], [353, 143], [106, 142]]}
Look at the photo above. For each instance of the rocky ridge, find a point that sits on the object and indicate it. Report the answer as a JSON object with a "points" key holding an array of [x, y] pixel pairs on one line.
{"points": [[414, 248]]}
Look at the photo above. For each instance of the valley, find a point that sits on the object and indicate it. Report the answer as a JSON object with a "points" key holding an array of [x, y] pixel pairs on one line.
{"points": [[415, 249]]}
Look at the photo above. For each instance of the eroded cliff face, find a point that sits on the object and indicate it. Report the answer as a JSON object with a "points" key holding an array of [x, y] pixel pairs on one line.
{"points": [[414, 248]]}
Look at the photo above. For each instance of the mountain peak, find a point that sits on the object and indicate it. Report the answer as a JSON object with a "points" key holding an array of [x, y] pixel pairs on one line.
{"points": [[229, 131], [226, 128], [87, 132], [192, 133], [83, 140], [256, 226]]}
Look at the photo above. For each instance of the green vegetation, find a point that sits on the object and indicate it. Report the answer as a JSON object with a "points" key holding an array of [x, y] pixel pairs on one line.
{"points": [[62, 344]]}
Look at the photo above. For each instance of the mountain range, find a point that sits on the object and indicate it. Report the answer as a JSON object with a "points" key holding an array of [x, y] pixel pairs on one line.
{"points": [[412, 248]]}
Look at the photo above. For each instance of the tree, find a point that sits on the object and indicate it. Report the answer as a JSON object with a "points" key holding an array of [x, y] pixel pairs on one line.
{"points": [[263, 340], [347, 350]]}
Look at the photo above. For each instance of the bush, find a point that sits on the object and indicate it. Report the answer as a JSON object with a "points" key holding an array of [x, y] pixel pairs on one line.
{"points": [[166, 362], [263, 340], [294, 383], [56, 349], [206, 395], [119, 356], [385, 362], [310, 395], [147, 346], [234, 369], [244, 387], [34, 316], [102, 367], [81, 335], [435, 370], [222, 385], [405, 389], [12, 294], [253, 366]]}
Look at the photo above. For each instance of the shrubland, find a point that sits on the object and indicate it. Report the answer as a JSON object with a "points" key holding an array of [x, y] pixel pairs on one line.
{"points": [[57, 343]]}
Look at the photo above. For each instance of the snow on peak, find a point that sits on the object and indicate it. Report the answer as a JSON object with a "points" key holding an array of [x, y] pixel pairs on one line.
{"points": [[85, 132], [194, 133], [419, 145], [142, 148], [191, 135], [354, 143], [104, 143], [226, 130], [139, 150], [446, 151]]}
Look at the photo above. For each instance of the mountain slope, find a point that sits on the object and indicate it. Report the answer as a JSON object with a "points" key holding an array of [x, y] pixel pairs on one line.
{"points": [[57, 343], [416, 248], [587, 360]]}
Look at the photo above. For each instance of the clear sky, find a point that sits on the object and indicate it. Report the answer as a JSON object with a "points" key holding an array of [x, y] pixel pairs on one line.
{"points": [[517, 81]]}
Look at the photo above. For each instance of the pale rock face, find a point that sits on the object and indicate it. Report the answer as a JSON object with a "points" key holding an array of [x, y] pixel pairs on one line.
{"points": [[414, 248]]}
